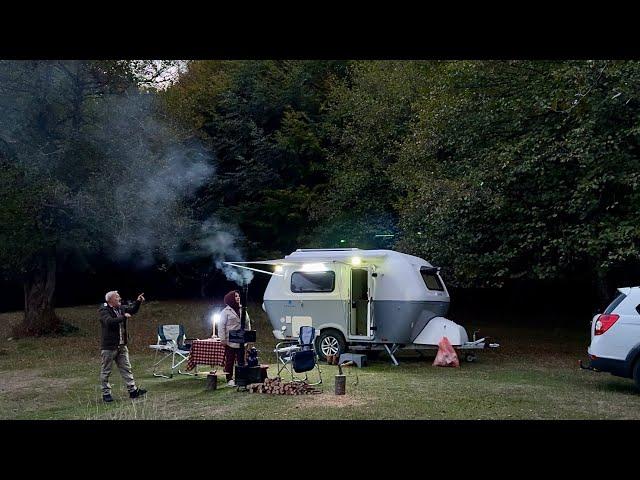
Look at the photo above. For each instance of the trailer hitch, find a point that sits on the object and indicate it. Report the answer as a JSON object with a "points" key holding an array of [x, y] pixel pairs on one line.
{"points": [[587, 367], [488, 343]]}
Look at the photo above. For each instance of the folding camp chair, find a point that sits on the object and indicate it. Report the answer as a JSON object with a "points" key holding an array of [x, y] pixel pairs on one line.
{"points": [[171, 343], [299, 356]]}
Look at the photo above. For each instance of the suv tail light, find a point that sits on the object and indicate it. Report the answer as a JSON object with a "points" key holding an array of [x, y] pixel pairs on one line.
{"points": [[605, 322]]}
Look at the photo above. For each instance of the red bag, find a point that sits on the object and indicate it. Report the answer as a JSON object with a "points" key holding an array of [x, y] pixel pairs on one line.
{"points": [[447, 356]]}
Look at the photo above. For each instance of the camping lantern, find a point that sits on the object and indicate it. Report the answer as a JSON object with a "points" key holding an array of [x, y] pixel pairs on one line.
{"points": [[215, 319], [213, 316]]}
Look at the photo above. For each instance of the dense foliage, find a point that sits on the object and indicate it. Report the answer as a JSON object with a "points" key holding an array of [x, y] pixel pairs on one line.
{"points": [[524, 170], [498, 171], [263, 124], [87, 165]]}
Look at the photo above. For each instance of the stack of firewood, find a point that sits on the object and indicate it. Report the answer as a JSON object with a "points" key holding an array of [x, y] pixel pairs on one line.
{"points": [[275, 386]]}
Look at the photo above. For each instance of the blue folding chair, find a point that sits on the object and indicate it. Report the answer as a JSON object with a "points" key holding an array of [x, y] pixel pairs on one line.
{"points": [[299, 356]]}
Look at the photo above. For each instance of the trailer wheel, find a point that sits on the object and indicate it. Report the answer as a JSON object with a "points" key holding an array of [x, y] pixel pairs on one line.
{"points": [[330, 342], [470, 357]]}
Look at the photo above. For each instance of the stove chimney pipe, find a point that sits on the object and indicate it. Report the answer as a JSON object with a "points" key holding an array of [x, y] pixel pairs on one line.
{"points": [[244, 295]]}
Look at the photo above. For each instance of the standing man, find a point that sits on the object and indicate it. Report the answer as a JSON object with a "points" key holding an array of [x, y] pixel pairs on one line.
{"points": [[113, 317]]}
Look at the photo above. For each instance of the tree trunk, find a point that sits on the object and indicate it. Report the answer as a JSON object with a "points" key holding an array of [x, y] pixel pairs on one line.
{"points": [[39, 289]]}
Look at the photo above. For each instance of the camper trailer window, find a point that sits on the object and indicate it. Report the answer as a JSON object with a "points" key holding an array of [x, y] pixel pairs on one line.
{"points": [[431, 280], [313, 282]]}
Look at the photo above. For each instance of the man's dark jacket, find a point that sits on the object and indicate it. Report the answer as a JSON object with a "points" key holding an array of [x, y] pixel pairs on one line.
{"points": [[111, 321]]}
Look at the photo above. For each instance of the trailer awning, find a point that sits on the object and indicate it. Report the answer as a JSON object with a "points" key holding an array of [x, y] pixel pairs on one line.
{"points": [[307, 259], [315, 256], [280, 261], [259, 262]]}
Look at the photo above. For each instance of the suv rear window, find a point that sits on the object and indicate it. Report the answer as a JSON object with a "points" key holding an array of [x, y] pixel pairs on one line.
{"points": [[431, 279], [616, 301]]}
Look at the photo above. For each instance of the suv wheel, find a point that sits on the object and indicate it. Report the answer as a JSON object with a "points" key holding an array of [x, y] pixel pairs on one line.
{"points": [[636, 373], [330, 342]]}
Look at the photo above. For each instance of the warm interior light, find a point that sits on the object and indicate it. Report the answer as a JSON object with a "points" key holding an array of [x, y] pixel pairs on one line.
{"points": [[278, 268], [314, 267], [355, 261]]}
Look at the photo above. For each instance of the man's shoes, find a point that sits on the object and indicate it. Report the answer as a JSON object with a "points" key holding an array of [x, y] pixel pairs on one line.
{"points": [[107, 398], [231, 383], [138, 392]]}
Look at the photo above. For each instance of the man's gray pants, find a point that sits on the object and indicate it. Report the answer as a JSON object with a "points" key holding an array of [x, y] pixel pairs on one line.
{"points": [[121, 357]]}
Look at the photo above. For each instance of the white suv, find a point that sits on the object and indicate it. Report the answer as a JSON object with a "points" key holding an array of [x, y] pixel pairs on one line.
{"points": [[615, 336]]}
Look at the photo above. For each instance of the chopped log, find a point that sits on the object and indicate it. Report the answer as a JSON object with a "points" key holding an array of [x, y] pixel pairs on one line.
{"points": [[276, 386]]}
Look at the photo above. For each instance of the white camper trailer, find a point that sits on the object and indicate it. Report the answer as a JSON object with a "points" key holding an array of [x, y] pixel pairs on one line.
{"points": [[361, 300]]}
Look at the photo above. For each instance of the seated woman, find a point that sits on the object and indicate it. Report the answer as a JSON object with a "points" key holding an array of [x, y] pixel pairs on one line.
{"points": [[230, 320]]}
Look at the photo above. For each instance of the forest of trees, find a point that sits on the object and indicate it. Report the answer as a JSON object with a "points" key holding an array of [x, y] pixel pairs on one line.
{"points": [[498, 171]]}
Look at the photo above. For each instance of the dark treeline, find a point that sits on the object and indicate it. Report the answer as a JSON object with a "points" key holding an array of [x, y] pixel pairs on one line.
{"points": [[519, 178]]}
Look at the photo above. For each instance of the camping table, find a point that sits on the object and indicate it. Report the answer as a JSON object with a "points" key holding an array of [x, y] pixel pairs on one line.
{"points": [[206, 352]]}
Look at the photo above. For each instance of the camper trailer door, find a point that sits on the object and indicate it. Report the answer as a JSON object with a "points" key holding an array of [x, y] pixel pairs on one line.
{"points": [[360, 311]]}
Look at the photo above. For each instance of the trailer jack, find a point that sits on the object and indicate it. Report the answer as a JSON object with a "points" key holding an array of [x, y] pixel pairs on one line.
{"points": [[394, 348]]}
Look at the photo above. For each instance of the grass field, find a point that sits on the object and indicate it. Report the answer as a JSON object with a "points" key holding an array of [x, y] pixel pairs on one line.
{"points": [[534, 375]]}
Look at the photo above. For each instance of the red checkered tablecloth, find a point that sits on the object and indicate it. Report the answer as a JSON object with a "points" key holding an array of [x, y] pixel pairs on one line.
{"points": [[206, 352]]}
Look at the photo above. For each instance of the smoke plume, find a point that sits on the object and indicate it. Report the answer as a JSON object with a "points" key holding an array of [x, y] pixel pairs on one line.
{"points": [[124, 175], [221, 242]]}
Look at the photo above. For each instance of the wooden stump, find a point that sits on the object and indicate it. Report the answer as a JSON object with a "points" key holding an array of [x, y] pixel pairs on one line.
{"points": [[341, 384], [212, 382]]}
